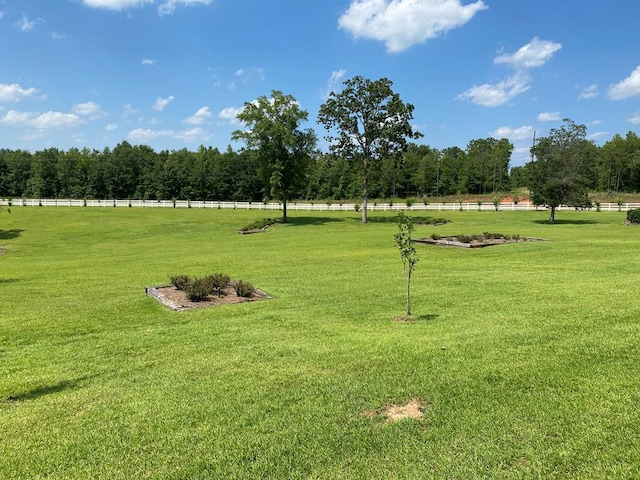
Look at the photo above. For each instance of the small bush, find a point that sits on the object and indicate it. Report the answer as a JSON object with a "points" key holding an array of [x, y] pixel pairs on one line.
{"points": [[435, 236], [357, 207], [259, 224], [216, 283], [633, 215], [180, 281], [197, 290], [244, 289], [409, 202]]}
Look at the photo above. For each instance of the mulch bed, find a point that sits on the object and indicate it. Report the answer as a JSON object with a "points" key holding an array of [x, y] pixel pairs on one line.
{"points": [[176, 299], [453, 241]]}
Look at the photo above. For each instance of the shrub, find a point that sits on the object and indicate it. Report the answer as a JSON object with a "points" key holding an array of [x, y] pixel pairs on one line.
{"points": [[244, 289], [180, 281], [633, 215], [259, 224], [357, 207], [409, 202], [435, 236], [216, 283], [197, 290]]}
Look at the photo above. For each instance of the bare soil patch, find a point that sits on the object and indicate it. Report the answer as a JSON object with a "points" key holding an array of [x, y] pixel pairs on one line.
{"points": [[414, 408], [176, 299]]}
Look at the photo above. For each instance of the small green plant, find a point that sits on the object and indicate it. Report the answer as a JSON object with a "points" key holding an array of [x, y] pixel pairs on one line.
{"points": [[244, 289], [197, 290], [357, 207], [259, 224], [180, 281], [496, 202], [633, 216], [407, 251], [435, 236], [409, 202], [216, 283], [479, 205]]}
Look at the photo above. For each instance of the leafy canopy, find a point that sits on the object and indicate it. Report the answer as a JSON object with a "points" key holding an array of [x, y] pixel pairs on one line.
{"points": [[274, 135], [369, 122]]}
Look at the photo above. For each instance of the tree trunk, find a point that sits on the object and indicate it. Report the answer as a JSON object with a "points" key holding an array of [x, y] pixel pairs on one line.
{"points": [[364, 201], [409, 291], [552, 218], [284, 207]]}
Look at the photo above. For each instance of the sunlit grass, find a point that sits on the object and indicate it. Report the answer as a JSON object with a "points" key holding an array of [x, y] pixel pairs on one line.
{"points": [[526, 355]]}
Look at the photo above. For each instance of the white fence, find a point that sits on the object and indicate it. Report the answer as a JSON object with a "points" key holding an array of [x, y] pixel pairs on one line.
{"points": [[294, 206]]}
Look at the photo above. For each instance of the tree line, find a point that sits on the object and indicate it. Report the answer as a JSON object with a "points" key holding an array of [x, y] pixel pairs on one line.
{"points": [[370, 156]]}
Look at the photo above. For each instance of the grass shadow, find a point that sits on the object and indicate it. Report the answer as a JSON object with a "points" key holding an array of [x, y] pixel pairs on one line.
{"points": [[42, 391], [8, 280], [566, 222], [417, 220], [428, 317], [306, 221], [10, 234]]}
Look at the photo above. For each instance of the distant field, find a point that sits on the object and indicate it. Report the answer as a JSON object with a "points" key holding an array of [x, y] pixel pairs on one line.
{"points": [[526, 356]]}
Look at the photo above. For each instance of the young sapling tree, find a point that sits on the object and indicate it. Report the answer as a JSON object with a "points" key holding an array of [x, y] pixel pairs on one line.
{"points": [[407, 251]]}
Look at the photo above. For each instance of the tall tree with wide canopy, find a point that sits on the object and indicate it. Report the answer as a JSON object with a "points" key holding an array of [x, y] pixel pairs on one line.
{"points": [[282, 149], [558, 175], [370, 122]]}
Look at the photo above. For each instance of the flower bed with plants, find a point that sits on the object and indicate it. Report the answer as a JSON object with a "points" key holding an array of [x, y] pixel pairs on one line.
{"points": [[186, 292], [486, 239]]}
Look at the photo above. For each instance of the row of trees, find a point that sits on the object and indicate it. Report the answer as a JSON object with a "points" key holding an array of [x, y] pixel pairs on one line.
{"points": [[370, 155]]}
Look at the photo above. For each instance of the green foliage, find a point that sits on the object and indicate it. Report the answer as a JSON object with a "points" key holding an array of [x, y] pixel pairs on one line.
{"points": [[198, 290], [180, 281], [407, 251], [259, 224], [216, 283], [435, 236], [633, 215], [356, 207], [244, 289], [371, 123], [559, 175], [273, 135]]}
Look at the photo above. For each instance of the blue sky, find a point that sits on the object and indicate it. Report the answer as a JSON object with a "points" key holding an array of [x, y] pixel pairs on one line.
{"points": [[172, 74]]}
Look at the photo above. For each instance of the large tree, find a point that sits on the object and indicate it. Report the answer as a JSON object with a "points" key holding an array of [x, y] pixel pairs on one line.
{"points": [[370, 122], [558, 175], [282, 148]]}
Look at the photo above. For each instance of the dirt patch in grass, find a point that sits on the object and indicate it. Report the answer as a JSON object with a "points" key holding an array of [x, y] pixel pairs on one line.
{"points": [[414, 408], [176, 299]]}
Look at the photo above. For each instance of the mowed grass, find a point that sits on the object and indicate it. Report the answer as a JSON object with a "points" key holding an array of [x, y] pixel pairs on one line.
{"points": [[526, 356]]}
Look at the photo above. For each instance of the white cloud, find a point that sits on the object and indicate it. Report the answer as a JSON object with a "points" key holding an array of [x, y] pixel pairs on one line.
{"points": [[111, 127], [549, 117], [534, 54], [148, 61], [45, 120], [166, 7], [589, 92], [89, 109], [494, 95], [401, 24], [628, 87], [230, 113], [635, 118], [15, 93], [128, 109], [334, 81], [514, 134], [189, 136], [161, 103], [597, 135], [25, 24], [201, 116]]}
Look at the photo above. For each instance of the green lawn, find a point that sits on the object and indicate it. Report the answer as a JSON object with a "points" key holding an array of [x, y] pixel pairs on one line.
{"points": [[527, 356]]}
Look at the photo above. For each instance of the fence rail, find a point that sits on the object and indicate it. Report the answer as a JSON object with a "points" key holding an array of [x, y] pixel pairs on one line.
{"points": [[294, 206]]}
